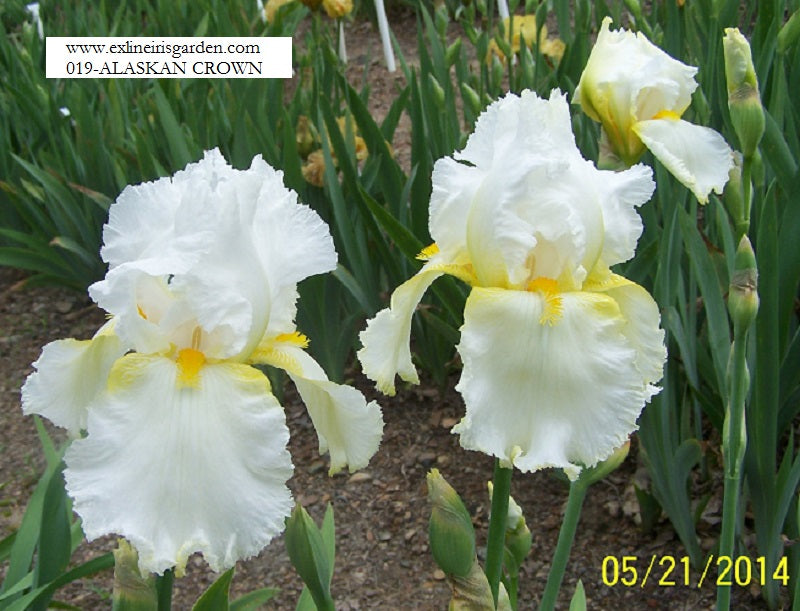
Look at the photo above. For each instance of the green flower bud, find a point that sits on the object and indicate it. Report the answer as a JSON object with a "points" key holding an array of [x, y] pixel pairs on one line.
{"points": [[789, 32], [498, 70], [310, 555], [518, 540], [734, 196], [452, 537], [453, 52], [743, 292], [472, 591], [132, 591], [441, 20], [594, 474], [471, 98], [436, 90], [744, 101]]}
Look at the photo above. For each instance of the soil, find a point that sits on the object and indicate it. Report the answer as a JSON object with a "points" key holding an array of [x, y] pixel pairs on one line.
{"points": [[383, 560]]}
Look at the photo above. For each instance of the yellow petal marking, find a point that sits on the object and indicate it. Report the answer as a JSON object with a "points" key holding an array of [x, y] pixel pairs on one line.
{"points": [[141, 312], [667, 114], [427, 252], [190, 361], [553, 308], [295, 338]]}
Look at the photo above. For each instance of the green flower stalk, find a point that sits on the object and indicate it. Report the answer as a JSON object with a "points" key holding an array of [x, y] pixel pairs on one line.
{"points": [[742, 307], [569, 525], [744, 101], [518, 542]]}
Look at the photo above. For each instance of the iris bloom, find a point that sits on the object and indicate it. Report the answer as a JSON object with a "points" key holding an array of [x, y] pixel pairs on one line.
{"points": [[185, 445], [638, 93], [559, 353]]}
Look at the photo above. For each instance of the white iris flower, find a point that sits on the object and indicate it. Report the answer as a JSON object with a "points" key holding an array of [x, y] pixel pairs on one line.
{"points": [[185, 445], [638, 93], [560, 355]]}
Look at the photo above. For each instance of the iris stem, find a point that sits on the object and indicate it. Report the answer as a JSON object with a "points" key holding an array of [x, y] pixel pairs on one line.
{"points": [[734, 444], [497, 527], [577, 493]]}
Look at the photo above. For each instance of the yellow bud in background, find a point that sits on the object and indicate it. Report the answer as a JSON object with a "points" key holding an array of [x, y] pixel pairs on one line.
{"points": [[314, 168], [337, 8], [744, 101], [271, 7], [304, 136]]}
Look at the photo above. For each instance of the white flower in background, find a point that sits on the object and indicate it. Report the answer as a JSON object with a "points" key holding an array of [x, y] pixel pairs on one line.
{"points": [[560, 355], [638, 93], [33, 9], [185, 445]]}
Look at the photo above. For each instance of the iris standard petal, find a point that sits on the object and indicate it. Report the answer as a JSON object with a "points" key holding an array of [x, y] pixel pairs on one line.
{"points": [[179, 468], [145, 224], [629, 77], [696, 155], [547, 395], [620, 194], [69, 375], [348, 427]]}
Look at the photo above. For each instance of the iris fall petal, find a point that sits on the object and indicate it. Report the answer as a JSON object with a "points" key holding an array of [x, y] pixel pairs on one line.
{"points": [[69, 374], [178, 469], [348, 427], [696, 155], [539, 395]]}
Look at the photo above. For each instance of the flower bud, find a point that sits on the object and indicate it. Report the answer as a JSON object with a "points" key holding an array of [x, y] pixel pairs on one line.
{"points": [[789, 32], [304, 136], [132, 591], [471, 98], [743, 292], [453, 52], [594, 474], [313, 169], [452, 537], [436, 90], [441, 19], [744, 101], [733, 195], [310, 554], [337, 8], [497, 72], [518, 540], [472, 592]]}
